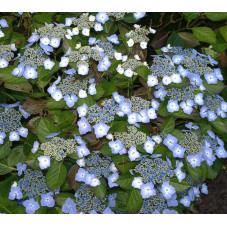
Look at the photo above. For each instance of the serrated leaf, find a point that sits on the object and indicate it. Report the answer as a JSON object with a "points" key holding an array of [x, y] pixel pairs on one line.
{"points": [[134, 202], [6, 76], [223, 31], [4, 168], [125, 181], [189, 39], [56, 175], [216, 16], [189, 16], [179, 186], [168, 125], [5, 149], [100, 190], [204, 34]]}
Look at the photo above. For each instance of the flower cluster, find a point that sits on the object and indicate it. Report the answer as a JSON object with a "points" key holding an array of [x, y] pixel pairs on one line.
{"points": [[6, 54], [10, 123], [105, 114], [59, 148], [33, 183], [132, 137], [154, 170]]}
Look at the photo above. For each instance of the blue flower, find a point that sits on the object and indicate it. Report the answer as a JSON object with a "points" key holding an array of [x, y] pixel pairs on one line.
{"points": [[46, 48], [31, 206], [3, 23], [147, 190], [23, 132], [108, 211], [133, 154], [82, 110], [14, 136], [116, 146], [34, 38], [69, 207], [101, 129], [47, 200], [15, 193], [139, 15], [81, 175], [211, 78], [152, 80], [185, 201], [51, 135], [143, 116], [118, 98], [170, 141], [167, 190], [208, 156], [92, 89], [177, 59], [21, 168], [93, 40], [175, 77], [84, 126], [111, 200], [178, 151], [125, 107], [30, 73], [221, 152], [179, 174], [137, 182], [149, 146], [48, 64], [113, 39], [70, 100], [132, 118], [198, 99], [194, 160], [19, 70], [203, 112], [172, 106], [104, 64], [211, 115], [82, 151], [102, 17], [204, 189], [161, 93], [111, 180], [2, 137]]}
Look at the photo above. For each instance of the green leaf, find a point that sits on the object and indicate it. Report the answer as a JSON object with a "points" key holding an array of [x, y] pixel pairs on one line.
{"points": [[108, 25], [143, 71], [125, 181], [10, 207], [123, 163], [23, 87], [204, 34], [41, 18], [54, 105], [134, 202], [168, 125], [16, 155], [45, 75], [179, 186], [5, 149], [61, 198], [56, 175], [44, 128], [214, 170], [213, 89], [6, 76], [4, 168], [220, 125], [118, 126], [175, 40], [106, 150], [100, 190], [217, 16], [223, 31], [189, 16], [189, 39], [129, 18]]}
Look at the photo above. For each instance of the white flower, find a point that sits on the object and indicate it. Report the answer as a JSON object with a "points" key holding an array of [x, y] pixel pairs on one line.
{"points": [[118, 56], [64, 62], [143, 45], [78, 46], [137, 182], [86, 31], [57, 95], [153, 31], [45, 41], [137, 57], [120, 70], [166, 80], [75, 31], [91, 18], [82, 94], [44, 162], [130, 42], [128, 73], [48, 64]]}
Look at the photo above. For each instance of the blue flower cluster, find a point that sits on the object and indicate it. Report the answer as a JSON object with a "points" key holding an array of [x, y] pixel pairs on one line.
{"points": [[33, 183]]}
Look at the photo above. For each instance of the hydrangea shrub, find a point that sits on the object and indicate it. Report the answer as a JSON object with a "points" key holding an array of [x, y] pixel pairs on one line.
{"points": [[89, 125]]}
